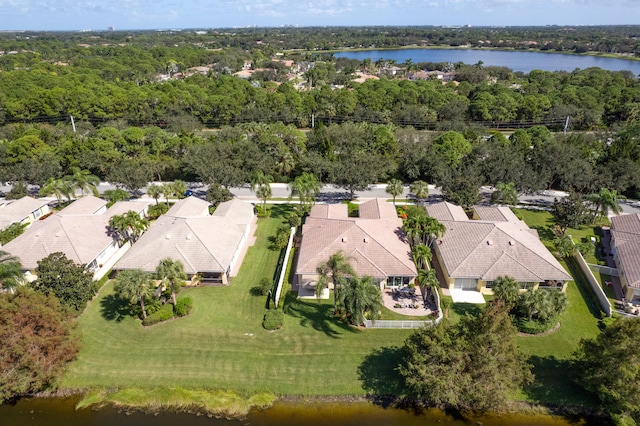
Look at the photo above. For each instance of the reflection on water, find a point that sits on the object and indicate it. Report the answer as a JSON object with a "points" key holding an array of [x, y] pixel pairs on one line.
{"points": [[60, 412]]}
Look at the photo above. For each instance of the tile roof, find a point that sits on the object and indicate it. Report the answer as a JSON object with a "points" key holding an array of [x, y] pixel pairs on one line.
{"points": [[84, 206], [17, 210], [330, 211], [485, 250], [376, 246], [495, 214], [81, 237], [203, 243], [377, 208], [625, 230], [443, 210]]}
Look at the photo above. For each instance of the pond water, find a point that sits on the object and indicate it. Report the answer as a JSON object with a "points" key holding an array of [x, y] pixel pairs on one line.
{"points": [[517, 61], [61, 412]]}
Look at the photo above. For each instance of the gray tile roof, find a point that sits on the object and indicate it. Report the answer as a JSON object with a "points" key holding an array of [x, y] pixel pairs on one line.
{"points": [[625, 231], [376, 247], [485, 250], [81, 237], [18, 210], [203, 243], [443, 210], [84, 206]]}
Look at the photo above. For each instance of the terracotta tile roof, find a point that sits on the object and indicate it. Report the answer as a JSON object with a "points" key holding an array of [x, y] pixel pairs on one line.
{"points": [[625, 231], [377, 208], [330, 211], [18, 210], [203, 243], [376, 246], [81, 237], [486, 250]]}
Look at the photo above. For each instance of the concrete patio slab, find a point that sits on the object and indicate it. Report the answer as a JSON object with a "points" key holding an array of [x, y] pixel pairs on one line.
{"points": [[466, 296]]}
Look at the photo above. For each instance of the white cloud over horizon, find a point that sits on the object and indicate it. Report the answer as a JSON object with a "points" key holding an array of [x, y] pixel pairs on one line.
{"points": [[152, 14]]}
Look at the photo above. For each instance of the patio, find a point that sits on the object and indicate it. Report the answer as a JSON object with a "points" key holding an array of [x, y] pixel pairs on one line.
{"points": [[412, 304]]}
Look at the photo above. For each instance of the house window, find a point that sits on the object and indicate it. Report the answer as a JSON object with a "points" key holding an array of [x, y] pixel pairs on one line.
{"points": [[398, 281], [526, 285]]}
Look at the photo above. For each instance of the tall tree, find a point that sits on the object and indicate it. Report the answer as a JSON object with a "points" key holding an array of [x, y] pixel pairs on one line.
{"points": [[421, 255], [609, 366], [10, 271], [428, 281], [136, 286], [37, 342], [605, 200], [261, 184], [447, 366], [58, 187], [360, 296], [394, 188], [83, 180], [70, 283], [171, 272], [570, 212], [306, 187], [180, 188], [154, 191], [336, 267]]}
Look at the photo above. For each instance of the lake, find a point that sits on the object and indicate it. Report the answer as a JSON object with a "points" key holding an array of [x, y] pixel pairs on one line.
{"points": [[60, 412], [517, 61]]}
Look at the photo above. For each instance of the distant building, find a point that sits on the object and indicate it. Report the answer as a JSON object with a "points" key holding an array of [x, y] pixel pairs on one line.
{"points": [[24, 210]]}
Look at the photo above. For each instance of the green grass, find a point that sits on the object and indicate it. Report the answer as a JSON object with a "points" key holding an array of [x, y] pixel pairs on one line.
{"points": [[550, 354], [222, 344]]}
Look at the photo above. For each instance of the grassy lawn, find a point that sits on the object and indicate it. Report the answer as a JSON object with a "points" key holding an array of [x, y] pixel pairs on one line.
{"points": [[222, 344], [550, 354]]}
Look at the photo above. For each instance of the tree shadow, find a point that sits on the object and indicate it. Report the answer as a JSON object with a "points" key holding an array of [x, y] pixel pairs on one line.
{"points": [[281, 211], [113, 308], [467, 308], [317, 315], [379, 376], [555, 388]]}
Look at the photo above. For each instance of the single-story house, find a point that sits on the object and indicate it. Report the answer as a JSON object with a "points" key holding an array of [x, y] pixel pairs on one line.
{"points": [[374, 243], [24, 210], [208, 245], [80, 231], [625, 246], [472, 253]]}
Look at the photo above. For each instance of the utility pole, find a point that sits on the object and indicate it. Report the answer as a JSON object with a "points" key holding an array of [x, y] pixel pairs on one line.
{"points": [[73, 124], [566, 125], [313, 120]]}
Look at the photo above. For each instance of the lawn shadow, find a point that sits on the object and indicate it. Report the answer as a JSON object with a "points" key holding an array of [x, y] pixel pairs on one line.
{"points": [[315, 314], [114, 308], [281, 211], [555, 389], [467, 308], [379, 376], [545, 232]]}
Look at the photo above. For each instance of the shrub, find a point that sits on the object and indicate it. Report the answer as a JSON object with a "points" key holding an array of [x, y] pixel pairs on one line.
{"points": [[262, 212], [156, 210], [263, 287], [183, 306], [162, 314], [12, 231], [273, 319]]}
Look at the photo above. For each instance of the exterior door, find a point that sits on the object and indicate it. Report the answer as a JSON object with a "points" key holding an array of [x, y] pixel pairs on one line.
{"points": [[466, 284]]}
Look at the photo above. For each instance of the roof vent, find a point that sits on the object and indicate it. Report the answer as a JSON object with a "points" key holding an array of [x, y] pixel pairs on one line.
{"points": [[189, 236], [512, 243], [167, 237], [489, 242], [366, 240], [57, 235], [344, 239], [439, 242]]}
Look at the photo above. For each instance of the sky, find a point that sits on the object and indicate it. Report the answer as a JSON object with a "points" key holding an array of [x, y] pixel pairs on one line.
{"points": [[97, 15]]}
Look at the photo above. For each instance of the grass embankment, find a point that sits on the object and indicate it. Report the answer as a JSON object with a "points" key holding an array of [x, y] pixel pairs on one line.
{"points": [[222, 345]]}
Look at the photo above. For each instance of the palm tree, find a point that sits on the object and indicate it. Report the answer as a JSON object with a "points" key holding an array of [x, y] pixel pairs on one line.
{"points": [[264, 193], [58, 187], [180, 188], [83, 180], [118, 227], [604, 200], [337, 267], [172, 272], [286, 164], [420, 189], [154, 191], [134, 285], [421, 256], [505, 288], [10, 271], [394, 188], [428, 280], [135, 225], [307, 187], [505, 193], [167, 190], [565, 246], [263, 184], [361, 295]]}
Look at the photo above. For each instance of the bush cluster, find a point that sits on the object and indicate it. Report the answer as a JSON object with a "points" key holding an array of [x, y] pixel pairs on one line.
{"points": [[273, 319], [163, 314], [261, 211], [183, 307]]}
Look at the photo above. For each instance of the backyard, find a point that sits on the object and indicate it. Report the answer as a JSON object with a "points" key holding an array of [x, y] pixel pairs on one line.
{"points": [[222, 344]]}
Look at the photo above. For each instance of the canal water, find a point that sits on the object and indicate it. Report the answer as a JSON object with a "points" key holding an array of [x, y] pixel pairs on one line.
{"points": [[515, 60], [61, 412]]}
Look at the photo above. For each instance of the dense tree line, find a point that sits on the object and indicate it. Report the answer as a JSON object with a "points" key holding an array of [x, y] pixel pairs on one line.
{"points": [[349, 155]]}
